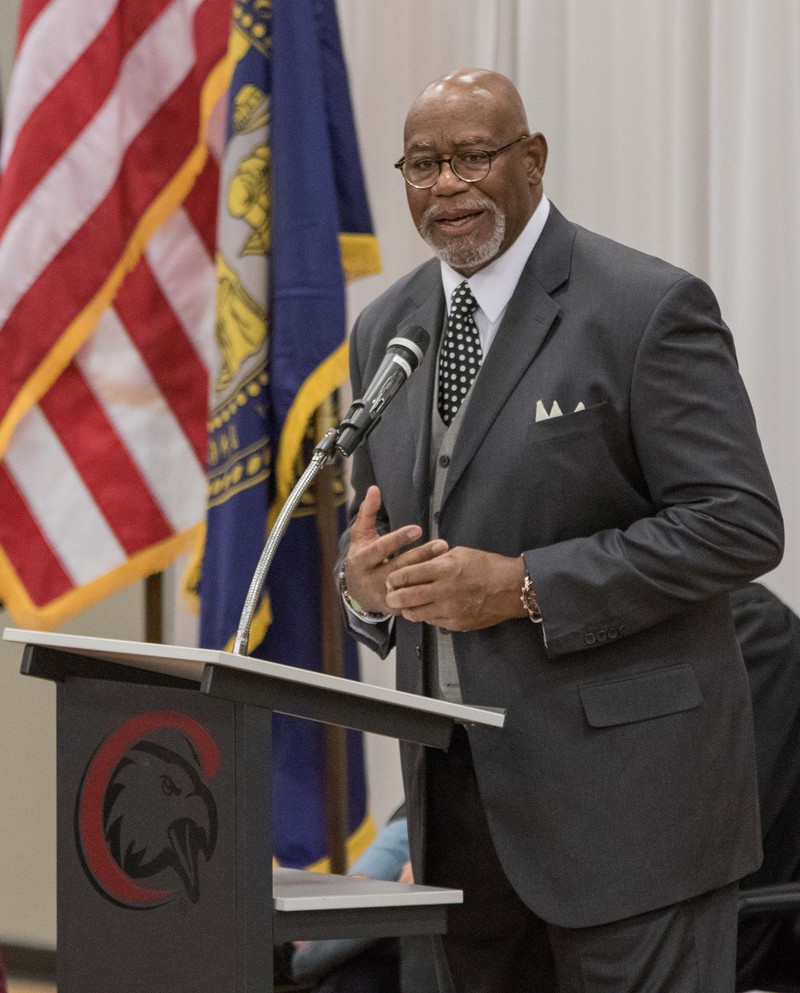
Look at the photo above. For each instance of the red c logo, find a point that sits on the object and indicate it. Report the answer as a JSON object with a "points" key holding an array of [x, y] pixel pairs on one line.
{"points": [[182, 838]]}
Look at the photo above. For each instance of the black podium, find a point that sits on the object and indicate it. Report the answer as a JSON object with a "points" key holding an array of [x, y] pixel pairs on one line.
{"points": [[165, 878]]}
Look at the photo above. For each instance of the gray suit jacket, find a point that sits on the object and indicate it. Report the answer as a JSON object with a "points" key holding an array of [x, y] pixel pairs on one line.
{"points": [[624, 779]]}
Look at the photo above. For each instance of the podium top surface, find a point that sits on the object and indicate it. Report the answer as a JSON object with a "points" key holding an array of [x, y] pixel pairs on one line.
{"points": [[189, 663], [299, 890]]}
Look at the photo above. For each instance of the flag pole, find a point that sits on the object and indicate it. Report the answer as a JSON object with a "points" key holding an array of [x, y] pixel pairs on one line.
{"points": [[154, 608]]}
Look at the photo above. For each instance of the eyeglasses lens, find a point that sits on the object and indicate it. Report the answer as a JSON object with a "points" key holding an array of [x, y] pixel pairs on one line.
{"points": [[469, 166]]}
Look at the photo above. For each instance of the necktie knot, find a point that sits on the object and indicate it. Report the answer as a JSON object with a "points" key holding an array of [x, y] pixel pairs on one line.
{"points": [[462, 299], [461, 355]]}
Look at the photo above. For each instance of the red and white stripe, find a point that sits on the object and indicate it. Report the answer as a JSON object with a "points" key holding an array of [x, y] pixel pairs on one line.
{"points": [[104, 406]]}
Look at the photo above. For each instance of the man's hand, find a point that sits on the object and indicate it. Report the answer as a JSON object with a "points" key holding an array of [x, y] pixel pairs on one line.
{"points": [[460, 590], [372, 557]]}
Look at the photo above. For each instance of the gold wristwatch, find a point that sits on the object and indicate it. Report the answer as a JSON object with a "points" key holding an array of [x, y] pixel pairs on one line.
{"points": [[528, 596]]}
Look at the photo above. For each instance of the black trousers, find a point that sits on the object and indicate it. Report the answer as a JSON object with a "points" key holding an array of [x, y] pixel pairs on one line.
{"points": [[496, 944]]}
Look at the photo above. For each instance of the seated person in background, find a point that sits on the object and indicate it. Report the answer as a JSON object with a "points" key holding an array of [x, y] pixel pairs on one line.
{"points": [[768, 632], [359, 965]]}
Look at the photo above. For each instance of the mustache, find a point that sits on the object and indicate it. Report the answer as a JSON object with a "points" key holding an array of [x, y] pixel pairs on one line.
{"points": [[472, 201]]}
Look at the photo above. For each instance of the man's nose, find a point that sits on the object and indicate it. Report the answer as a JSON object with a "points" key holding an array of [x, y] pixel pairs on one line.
{"points": [[448, 181]]}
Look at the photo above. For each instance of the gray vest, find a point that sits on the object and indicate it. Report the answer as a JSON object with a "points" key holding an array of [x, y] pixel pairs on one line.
{"points": [[441, 675]]}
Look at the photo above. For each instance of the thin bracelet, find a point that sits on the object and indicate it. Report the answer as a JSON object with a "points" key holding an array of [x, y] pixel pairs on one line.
{"points": [[354, 605]]}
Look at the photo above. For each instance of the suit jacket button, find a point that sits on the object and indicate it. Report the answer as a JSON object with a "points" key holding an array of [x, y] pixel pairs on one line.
{"points": [[602, 634], [612, 633], [444, 461], [589, 638], [622, 629]]}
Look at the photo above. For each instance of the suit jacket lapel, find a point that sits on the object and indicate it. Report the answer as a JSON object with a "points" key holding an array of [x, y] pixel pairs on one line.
{"points": [[428, 299], [530, 315]]}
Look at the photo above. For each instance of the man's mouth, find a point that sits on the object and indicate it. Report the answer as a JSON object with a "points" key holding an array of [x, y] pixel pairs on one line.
{"points": [[457, 223], [466, 235]]}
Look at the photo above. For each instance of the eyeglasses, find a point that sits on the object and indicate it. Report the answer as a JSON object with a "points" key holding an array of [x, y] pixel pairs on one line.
{"points": [[472, 166]]}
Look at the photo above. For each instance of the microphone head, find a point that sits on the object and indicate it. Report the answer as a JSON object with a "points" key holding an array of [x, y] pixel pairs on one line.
{"points": [[411, 343]]}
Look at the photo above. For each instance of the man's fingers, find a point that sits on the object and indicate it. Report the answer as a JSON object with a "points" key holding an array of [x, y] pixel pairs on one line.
{"points": [[429, 614], [420, 595], [417, 573], [411, 601], [363, 527], [364, 537], [422, 553], [389, 544]]}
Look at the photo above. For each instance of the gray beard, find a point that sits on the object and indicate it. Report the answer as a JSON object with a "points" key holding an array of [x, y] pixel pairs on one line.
{"points": [[465, 252]]}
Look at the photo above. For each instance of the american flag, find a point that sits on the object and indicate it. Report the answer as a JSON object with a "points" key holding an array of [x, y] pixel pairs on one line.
{"points": [[108, 196]]}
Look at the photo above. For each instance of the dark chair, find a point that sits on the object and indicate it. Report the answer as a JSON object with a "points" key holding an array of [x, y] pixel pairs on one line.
{"points": [[769, 901], [769, 938]]}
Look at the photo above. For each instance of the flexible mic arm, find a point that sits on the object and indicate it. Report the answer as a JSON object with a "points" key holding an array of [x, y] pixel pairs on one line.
{"points": [[323, 454], [406, 352]]}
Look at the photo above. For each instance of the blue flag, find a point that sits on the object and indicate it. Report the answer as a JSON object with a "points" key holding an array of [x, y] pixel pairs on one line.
{"points": [[293, 225]]}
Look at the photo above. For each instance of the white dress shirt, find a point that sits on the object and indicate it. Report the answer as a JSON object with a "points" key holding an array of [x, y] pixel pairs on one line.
{"points": [[494, 285]]}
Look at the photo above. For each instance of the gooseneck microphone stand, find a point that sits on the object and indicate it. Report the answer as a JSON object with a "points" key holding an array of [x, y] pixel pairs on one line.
{"points": [[324, 453]]}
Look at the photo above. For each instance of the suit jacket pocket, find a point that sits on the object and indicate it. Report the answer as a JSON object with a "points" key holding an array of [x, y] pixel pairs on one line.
{"points": [[561, 425], [640, 698]]}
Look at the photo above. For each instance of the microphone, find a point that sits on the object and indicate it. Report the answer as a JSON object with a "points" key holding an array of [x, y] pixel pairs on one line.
{"points": [[403, 355]]}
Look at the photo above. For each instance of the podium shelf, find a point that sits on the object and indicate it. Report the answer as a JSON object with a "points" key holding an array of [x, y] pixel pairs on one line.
{"points": [[312, 905], [295, 890]]}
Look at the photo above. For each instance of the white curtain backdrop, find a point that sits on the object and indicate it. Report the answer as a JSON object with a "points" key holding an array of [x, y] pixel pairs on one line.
{"points": [[674, 126]]}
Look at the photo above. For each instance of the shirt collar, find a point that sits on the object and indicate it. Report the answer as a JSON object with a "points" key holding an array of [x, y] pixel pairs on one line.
{"points": [[494, 285]]}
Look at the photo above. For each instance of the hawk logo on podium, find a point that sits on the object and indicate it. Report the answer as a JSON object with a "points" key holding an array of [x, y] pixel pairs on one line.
{"points": [[145, 815]]}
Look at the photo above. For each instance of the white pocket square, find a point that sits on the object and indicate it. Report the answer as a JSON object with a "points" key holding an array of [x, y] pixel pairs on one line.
{"points": [[555, 410]]}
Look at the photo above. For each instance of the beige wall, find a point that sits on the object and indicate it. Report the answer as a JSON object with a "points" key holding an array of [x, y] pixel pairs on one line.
{"points": [[8, 28], [28, 776]]}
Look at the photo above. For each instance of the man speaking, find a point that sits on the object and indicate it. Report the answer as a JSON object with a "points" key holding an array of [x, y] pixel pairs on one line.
{"points": [[578, 456]]}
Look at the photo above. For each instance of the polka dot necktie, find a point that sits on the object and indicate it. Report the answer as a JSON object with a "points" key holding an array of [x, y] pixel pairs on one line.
{"points": [[461, 355]]}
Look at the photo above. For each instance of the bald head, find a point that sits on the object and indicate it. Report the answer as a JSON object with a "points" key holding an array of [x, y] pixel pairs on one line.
{"points": [[482, 88], [467, 213]]}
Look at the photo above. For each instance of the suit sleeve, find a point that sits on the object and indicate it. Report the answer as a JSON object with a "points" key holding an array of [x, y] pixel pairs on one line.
{"points": [[716, 523]]}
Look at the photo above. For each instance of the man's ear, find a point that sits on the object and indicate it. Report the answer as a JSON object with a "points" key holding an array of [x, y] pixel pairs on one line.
{"points": [[536, 157]]}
